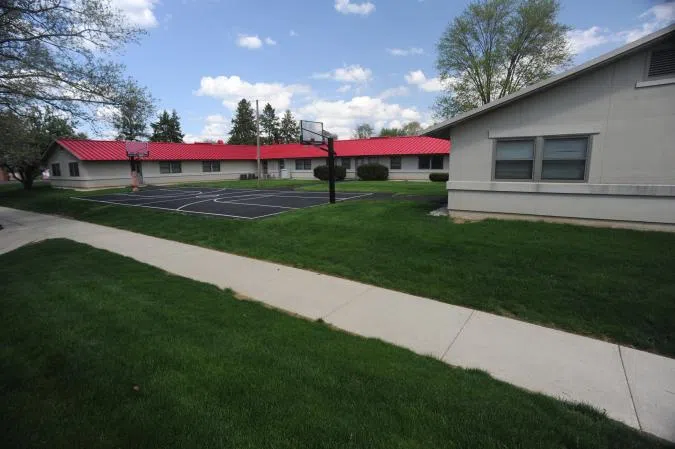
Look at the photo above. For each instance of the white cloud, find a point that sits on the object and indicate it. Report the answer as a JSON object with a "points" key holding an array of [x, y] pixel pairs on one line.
{"points": [[347, 7], [349, 74], [341, 117], [138, 12], [405, 51], [292, 33], [231, 89], [420, 80], [399, 91], [581, 40], [270, 41], [216, 127], [250, 42], [344, 88], [653, 19]]}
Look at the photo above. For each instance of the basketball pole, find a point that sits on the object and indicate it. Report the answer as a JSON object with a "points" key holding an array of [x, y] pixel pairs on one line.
{"points": [[257, 125], [331, 170]]}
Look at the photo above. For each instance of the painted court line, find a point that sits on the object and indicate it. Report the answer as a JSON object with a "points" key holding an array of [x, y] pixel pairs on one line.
{"points": [[169, 209]]}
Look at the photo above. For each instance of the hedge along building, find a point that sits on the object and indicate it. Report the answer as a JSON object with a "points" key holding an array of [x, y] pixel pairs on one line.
{"points": [[98, 163]]}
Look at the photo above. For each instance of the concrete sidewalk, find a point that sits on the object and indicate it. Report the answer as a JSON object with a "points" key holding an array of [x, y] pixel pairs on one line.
{"points": [[635, 387]]}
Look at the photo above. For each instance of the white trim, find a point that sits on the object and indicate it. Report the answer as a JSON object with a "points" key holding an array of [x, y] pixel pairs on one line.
{"points": [[651, 83], [574, 188], [546, 131]]}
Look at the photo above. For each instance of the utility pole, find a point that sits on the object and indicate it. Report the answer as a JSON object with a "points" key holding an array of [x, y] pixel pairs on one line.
{"points": [[257, 125]]}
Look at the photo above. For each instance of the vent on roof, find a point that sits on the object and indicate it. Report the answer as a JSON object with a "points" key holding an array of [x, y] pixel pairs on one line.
{"points": [[662, 63]]}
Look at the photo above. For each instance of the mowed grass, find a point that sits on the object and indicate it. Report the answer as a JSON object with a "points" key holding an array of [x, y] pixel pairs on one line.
{"points": [[112, 353], [396, 187], [612, 284]]}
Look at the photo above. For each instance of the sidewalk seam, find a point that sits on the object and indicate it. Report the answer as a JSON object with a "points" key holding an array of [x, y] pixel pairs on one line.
{"points": [[630, 391], [458, 334], [345, 304]]}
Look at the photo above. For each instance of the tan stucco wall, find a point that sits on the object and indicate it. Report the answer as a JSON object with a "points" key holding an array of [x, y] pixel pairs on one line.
{"points": [[632, 129]]}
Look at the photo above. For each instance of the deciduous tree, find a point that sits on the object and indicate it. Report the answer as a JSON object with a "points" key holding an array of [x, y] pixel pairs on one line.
{"points": [[496, 47], [363, 131], [24, 139]]}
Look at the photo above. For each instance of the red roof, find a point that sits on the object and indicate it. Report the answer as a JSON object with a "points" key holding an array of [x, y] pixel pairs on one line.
{"points": [[113, 150]]}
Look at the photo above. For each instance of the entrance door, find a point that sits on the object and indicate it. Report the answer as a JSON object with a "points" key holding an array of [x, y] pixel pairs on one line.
{"points": [[264, 168]]}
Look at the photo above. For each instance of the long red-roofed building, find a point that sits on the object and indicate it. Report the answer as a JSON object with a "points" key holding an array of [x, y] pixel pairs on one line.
{"points": [[101, 163]]}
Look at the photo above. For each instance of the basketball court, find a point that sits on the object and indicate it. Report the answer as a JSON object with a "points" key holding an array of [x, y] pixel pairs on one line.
{"points": [[232, 203]]}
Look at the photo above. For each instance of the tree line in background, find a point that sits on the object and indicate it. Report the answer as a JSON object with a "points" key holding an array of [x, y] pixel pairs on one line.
{"points": [[57, 69], [366, 131], [272, 129]]}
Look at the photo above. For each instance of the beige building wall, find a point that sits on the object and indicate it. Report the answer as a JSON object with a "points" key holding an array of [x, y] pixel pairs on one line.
{"points": [[409, 168], [631, 172]]}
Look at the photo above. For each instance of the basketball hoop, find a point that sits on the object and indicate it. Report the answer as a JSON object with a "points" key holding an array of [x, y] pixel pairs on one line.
{"points": [[135, 152], [312, 133]]}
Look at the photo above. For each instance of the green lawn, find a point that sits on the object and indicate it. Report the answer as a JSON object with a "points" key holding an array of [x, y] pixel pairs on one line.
{"points": [[397, 187], [612, 284], [400, 187], [116, 354]]}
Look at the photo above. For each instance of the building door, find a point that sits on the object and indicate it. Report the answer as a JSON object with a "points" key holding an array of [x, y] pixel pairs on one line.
{"points": [[139, 171], [264, 168]]}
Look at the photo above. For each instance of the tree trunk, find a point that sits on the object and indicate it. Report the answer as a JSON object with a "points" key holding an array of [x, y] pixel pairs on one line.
{"points": [[27, 183]]}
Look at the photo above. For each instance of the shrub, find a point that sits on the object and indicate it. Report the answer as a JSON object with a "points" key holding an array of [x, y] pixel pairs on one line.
{"points": [[439, 177], [373, 172], [321, 172]]}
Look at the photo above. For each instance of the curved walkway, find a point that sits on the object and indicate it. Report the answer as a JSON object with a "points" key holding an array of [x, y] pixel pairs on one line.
{"points": [[635, 387]]}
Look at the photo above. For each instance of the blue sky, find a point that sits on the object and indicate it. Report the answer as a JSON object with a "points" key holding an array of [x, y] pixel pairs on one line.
{"points": [[342, 62]]}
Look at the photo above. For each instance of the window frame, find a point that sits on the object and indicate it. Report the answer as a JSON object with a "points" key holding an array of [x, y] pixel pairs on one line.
{"points": [[304, 164], [56, 167], [211, 165], [75, 165], [538, 158], [391, 162], [171, 167]]}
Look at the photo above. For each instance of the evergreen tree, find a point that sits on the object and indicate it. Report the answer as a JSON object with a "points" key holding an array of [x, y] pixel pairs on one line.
{"points": [[175, 133], [289, 131], [243, 125], [167, 128], [392, 132], [269, 125]]}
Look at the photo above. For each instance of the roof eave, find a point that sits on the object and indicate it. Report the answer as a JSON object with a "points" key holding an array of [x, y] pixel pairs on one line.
{"points": [[442, 129]]}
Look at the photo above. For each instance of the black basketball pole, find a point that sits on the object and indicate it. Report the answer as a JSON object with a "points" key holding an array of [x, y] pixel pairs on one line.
{"points": [[331, 170]]}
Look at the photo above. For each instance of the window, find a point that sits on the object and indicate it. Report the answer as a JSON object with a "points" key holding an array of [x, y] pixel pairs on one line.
{"points": [[74, 169], [514, 159], [282, 164], [395, 162], [372, 160], [210, 166], [170, 167], [564, 159], [303, 164], [434, 162], [542, 159], [56, 169], [346, 162]]}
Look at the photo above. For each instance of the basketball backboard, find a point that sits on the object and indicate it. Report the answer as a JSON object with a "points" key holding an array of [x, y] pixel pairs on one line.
{"points": [[311, 133], [136, 149]]}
